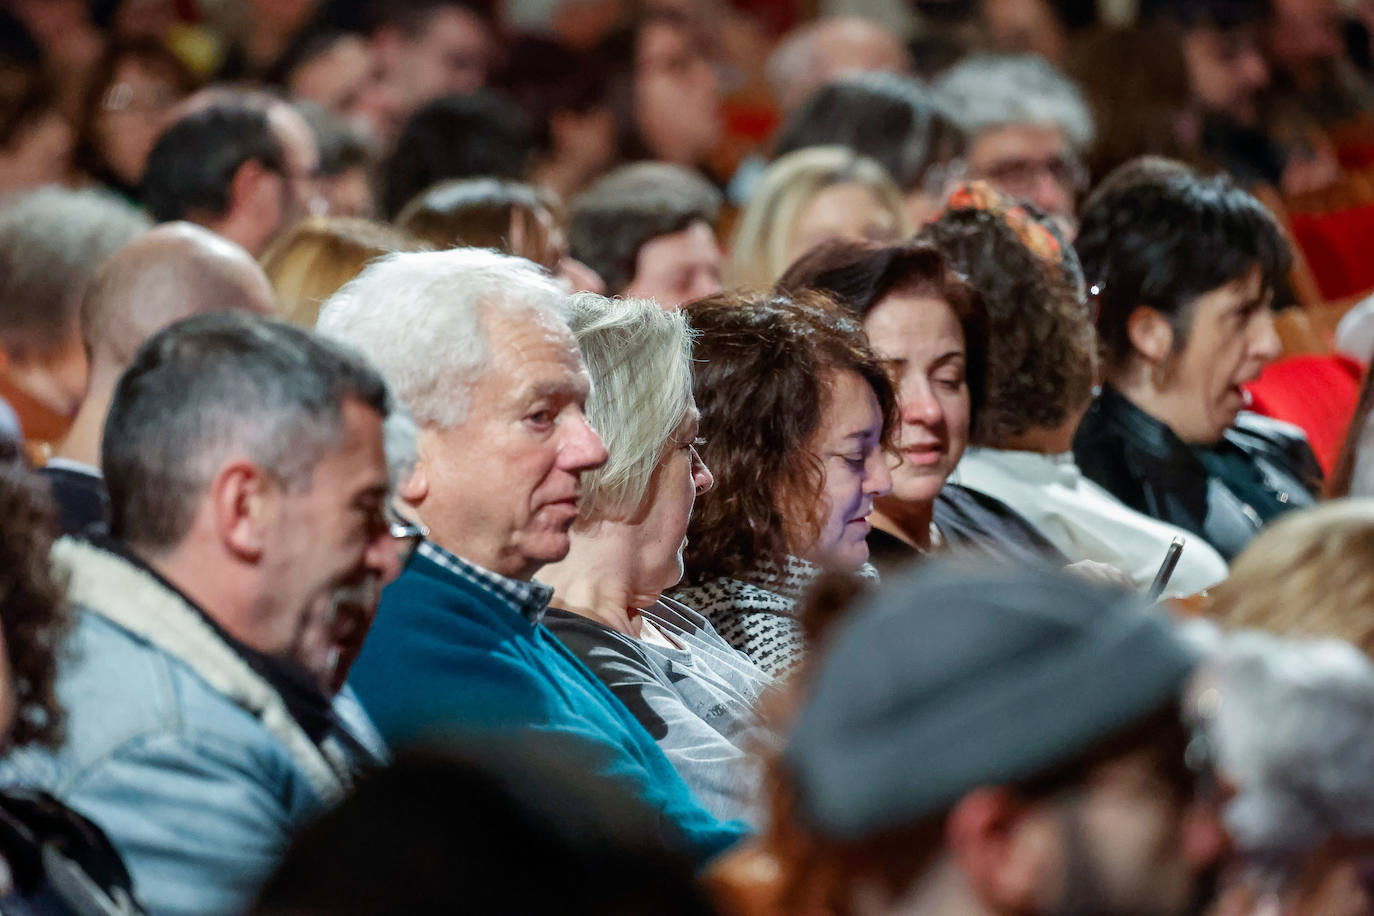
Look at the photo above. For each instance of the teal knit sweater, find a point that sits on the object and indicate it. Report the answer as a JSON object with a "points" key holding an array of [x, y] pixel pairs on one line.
{"points": [[445, 657]]}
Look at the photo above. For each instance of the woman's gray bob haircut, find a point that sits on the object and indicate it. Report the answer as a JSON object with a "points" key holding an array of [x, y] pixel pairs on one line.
{"points": [[420, 318], [639, 358]]}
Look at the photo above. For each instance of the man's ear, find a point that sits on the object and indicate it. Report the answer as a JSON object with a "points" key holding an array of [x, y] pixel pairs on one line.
{"points": [[1003, 846], [414, 486], [245, 504], [1150, 333], [252, 180]]}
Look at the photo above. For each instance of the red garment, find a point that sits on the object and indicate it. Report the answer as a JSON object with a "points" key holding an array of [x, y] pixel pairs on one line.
{"points": [[1316, 393], [1336, 247]]}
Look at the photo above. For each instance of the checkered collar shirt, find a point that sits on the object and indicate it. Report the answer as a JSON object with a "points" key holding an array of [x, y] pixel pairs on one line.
{"points": [[528, 599]]}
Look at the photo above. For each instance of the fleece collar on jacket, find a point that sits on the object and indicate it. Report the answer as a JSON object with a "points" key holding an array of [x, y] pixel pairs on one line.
{"points": [[107, 585]]}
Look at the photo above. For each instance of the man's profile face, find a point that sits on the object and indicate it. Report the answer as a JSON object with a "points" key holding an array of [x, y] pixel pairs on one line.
{"points": [[679, 267], [504, 486], [300, 183], [329, 552]]}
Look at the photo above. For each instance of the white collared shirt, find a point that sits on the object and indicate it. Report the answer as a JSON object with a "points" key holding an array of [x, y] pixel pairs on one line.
{"points": [[1085, 521]]}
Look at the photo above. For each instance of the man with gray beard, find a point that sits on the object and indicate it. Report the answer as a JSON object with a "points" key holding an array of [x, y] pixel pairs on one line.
{"points": [[250, 534]]}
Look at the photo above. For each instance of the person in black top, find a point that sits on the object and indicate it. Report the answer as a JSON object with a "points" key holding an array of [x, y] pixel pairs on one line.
{"points": [[1185, 269]]}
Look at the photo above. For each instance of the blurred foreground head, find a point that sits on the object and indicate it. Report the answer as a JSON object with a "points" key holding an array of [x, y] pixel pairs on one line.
{"points": [[1008, 742], [1286, 724], [1309, 575], [519, 828]]}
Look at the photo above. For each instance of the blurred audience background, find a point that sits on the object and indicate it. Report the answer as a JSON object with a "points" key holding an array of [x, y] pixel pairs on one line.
{"points": [[687, 456]]}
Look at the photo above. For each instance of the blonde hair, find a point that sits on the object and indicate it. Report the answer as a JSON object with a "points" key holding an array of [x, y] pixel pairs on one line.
{"points": [[758, 253], [1310, 574], [488, 213], [313, 260]]}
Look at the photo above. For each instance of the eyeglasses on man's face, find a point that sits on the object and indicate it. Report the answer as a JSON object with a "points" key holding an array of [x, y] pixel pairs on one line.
{"points": [[406, 534]]}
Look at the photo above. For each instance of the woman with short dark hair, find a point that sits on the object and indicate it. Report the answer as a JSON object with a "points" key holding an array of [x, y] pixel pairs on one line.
{"points": [[131, 89], [1186, 268], [662, 89], [797, 414]]}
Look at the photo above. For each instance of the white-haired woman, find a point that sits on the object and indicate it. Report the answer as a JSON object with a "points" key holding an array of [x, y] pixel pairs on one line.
{"points": [[808, 197], [692, 691]]}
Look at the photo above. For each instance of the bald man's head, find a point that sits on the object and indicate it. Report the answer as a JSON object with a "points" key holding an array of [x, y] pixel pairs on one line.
{"points": [[169, 273], [818, 52]]}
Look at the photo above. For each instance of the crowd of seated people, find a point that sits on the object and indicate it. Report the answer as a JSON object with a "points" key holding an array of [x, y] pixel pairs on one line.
{"points": [[704, 457]]}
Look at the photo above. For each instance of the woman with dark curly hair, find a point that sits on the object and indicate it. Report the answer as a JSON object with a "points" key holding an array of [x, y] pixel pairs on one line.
{"points": [[52, 860], [797, 413], [930, 327], [1041, 369]]}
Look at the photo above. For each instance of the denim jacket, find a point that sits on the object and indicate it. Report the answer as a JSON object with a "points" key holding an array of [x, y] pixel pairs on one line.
{"points": [[183, 755]]}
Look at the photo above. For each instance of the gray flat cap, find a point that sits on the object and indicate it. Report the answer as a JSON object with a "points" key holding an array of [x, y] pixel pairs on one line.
{"points": [[946, 680]]}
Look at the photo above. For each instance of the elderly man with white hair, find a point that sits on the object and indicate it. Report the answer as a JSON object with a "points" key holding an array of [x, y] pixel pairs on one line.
{"points": [[477, 346], [1028, 127]]}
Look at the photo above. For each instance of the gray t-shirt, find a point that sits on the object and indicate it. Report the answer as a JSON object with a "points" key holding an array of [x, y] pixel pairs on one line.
{"points": [[698, 702]]}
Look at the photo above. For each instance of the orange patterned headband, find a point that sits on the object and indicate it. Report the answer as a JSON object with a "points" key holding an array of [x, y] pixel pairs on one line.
{"points": [[979, 195]]}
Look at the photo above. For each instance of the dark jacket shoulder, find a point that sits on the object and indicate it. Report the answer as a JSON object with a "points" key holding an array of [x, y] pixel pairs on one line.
{"points": [[1280, 442], [81, 497], [1223, 493], [60, 863]]}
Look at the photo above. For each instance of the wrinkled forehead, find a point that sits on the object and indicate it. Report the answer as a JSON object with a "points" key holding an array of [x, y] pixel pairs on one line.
{"points": [[1017, 141], [522, 339]]}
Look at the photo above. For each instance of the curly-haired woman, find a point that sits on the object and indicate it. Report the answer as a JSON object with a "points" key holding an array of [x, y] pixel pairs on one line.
{"points": [[797, 413], [52, 860], [1041, 367]]}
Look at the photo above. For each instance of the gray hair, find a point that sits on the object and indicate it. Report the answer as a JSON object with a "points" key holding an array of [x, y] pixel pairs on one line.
{"points": [[51, 241], [639, 358], [1291, 723], [418, 316], [214, 386], [985, 91], [400, 438]]}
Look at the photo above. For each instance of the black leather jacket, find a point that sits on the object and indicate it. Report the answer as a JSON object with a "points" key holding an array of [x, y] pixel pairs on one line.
{"points": [[1223, 493]]}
